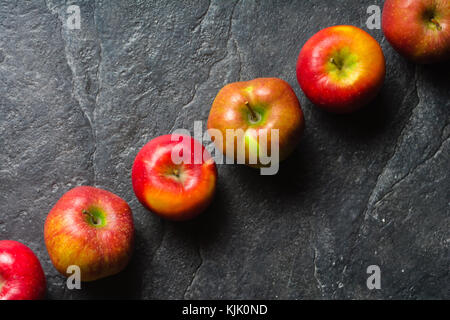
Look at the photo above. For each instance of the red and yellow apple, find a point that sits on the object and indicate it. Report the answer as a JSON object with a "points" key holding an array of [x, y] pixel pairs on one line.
{"points": [[418, 29], [341, 68], [90, 228], [175, 189], [254, 108], [21, 274]]}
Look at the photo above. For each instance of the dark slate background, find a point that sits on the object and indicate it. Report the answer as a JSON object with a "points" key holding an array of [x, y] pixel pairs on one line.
{"points": [[368, 188]]}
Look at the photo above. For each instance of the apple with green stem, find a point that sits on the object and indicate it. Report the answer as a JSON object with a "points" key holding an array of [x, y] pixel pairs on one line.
{"points": [[21, 274], [418, 29], [255, 108], [341, 68], [90, 228], [174, 176]]}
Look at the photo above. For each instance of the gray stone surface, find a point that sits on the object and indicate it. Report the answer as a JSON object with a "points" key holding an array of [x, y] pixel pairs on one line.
{"points": [[369, 188]]}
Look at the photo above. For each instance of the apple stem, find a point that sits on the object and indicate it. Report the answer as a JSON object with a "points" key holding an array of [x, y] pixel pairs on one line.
{"points": [[438, 26], [338, 65], [254, 117], [93, 219]]}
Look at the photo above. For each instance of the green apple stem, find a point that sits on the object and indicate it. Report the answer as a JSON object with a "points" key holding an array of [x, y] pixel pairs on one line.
{"points": [[338, 64], [438, 26], [253, 114], [93, 219]]}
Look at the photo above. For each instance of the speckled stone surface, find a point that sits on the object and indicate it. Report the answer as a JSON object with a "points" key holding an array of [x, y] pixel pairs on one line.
{"points": [[368, 188]]}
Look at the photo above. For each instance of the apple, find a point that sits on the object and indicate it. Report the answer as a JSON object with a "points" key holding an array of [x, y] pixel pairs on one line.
{"points": [[175, 189], [341, 68], [90, 228], [21, 274], [418, 29], [254, 108]]}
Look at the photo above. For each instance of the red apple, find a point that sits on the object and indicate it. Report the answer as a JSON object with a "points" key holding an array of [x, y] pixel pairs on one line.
{"points": [[341, 68], [21, 274], [174, 189], [92, 229], [254, 108], [418, 29]]}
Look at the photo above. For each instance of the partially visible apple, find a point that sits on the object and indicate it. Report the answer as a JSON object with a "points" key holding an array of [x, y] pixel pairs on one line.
{"points": [[21, 274], [341, 68], [92, 229], [418, 29], [256, 107], [175, 190]]}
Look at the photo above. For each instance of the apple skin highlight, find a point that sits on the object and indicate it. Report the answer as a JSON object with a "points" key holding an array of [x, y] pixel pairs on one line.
{"points": [[341, 69]]}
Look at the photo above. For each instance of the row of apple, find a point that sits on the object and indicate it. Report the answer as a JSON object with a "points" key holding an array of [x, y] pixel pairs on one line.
{"points": [[340, 69]]}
